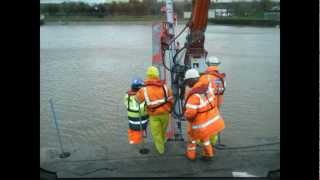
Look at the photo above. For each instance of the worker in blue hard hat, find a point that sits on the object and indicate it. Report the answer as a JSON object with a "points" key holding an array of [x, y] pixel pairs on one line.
{"points": [[137, 114]]}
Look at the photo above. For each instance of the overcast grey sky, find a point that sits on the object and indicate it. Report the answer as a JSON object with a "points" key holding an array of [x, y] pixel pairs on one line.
{"points": [[102, 1]]}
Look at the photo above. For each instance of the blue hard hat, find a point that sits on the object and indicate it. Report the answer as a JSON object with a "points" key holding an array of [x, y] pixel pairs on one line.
{"points": [[137, 83]]}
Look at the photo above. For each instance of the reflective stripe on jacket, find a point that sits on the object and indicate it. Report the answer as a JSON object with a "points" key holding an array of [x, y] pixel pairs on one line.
{"points": [[136, 115], [217, 81], [157, 95], [202, 113]]}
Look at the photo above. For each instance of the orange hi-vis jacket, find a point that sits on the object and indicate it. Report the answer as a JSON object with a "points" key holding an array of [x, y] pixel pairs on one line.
{"points": [[202, 113], [217, 81], [157, 95]]}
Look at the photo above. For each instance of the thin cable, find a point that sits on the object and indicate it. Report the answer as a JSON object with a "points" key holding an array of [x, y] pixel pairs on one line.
{"points": [[165, 66], [246, 147], [175, 56], [185, 27]]}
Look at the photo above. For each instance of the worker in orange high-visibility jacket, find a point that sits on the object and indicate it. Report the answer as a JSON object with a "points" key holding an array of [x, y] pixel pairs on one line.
{"points": [[158, 98], [218, 84], [216, 78], [202, 114]]}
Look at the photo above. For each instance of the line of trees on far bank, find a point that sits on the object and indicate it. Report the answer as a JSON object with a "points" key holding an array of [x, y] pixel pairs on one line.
{"points": [[149, 7]]}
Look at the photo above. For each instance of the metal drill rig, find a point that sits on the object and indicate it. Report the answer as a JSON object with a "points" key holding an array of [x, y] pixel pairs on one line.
{"points": [[169, 59]]}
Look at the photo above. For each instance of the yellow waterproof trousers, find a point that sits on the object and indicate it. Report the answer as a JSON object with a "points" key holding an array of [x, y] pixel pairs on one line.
{"points": [[213, 140], [158, 126]]}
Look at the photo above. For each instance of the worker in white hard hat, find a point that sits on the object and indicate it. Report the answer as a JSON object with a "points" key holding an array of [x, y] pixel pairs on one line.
{"points": [[202, 114], [217, 81]]}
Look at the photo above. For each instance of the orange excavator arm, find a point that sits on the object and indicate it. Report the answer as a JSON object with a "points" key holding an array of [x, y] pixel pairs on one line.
{"points": [[166, 52], [197, 27], [199, 16]]}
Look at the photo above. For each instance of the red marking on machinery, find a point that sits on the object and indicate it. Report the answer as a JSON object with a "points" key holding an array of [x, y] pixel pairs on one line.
{"points": [[157, 58], [163, 9], [157, 52], [171, 130]]}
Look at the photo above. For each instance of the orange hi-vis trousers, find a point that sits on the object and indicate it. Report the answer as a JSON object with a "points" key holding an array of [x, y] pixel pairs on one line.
{"points": [[135, 137], [207, 149]]}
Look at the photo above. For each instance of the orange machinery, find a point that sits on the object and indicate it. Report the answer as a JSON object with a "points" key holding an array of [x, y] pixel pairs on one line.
{"points": [[167, 55]]}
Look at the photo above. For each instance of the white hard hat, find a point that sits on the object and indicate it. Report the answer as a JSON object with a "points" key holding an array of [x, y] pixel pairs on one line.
{"points": [[191, 73], [213, 61]]}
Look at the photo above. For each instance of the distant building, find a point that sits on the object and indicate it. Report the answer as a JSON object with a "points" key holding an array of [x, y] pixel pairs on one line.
{"points": [[273, 13], [221, 9], [187, 15], [211, 13], [221, 13]]}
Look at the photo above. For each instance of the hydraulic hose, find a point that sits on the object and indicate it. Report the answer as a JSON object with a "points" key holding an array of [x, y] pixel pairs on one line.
{"points": [[247, 147], [186, 26]]}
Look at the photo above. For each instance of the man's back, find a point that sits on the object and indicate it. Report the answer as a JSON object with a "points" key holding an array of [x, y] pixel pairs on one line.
{"points": [[157, 96]]}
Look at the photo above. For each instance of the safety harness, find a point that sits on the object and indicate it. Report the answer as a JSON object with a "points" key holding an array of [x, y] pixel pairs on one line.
{"points": [[199, 90], [221, 77]]}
